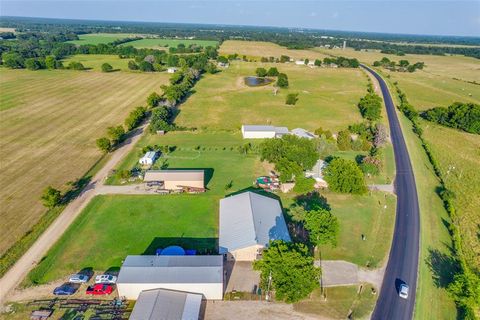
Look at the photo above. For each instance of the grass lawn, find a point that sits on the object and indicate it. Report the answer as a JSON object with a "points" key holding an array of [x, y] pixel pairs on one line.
{"points": [[359, 215], [327, 98], [97, 38], [340, 302], [95, 61], [158, 43], [459, 160], [257, 49], [112, 227], [50, 120]]}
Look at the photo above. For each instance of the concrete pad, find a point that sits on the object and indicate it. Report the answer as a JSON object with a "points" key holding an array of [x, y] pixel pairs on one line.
{"points": [[241, 277], [338, 273]]}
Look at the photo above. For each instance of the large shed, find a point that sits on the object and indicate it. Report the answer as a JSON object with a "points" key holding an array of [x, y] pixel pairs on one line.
{"points": [[263, 132], [176, 179], [160, 304], [199, 274], [248, 221]]}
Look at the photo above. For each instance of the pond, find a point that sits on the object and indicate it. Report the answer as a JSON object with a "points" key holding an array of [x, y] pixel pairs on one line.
{"points": [[257, 81]]}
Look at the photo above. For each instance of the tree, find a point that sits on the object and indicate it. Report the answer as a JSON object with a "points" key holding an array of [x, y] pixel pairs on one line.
{"points": [[50, 62], [222, 59], [13, 60], [135, 118], [345, 176], [292, 99], [284, 58], [282, 80], [160, 119], [261, 72], [153, 99], [344, 141], [104, 144], [116, 134], [145, 66], [106, 67], [132, 65], [51, 197], [290, 267], [32, 64], [371, 106], [272, 72], [75, 66], [318, 62], [304, 185], [306, 61], [322, 227], [465, 290]]}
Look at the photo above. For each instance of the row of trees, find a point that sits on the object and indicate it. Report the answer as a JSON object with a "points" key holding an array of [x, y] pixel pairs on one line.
{"points": [[463, 116], [342, 62], [401, 66]]}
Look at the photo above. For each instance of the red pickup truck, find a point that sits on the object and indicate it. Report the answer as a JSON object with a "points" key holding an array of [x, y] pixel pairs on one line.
{"points": [[99, 289]]}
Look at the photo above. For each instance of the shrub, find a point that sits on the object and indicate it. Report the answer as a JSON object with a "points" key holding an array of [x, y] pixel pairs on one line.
{"points": [[344, 141], [282, 80], [51, 197], [106, 67], [261, 72], [303, 185], [75, 66], [104, 144], [292, 99]]}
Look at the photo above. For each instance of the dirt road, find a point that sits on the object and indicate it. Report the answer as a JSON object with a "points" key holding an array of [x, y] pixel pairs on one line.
{"points": [[33, 255]]}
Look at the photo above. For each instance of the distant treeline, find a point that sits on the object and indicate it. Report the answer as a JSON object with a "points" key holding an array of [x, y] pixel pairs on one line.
{"points": [[463, 116], [291, 38]]}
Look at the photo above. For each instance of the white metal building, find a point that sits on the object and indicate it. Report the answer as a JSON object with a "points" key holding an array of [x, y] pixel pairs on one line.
{"points": [[263, 132], [177, 179], [300, 62], [160, 304], [148, 159], [198, 274], [248, 221]]}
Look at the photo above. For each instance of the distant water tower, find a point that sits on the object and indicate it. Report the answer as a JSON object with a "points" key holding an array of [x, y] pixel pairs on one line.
{"points": [[344, 44]]}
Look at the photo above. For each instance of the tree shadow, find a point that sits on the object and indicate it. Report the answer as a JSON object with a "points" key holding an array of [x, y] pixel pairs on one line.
{"points": [[76, 188], [88, 271], [442, 266], [206, 246], [114, 271], [312, 201]]}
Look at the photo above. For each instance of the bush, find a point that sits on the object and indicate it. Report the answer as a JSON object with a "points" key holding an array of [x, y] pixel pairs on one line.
{"points": [[292, 99], [75, 66], [106, 67], [344, 141], [304, 185], [345, 176], [272, 72], [132, 65], [261, 72], [282, 80]]}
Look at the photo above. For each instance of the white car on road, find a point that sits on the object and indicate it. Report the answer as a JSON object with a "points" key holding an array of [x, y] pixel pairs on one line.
{"points": [[105, 278], [78, 278], [403, 292]]}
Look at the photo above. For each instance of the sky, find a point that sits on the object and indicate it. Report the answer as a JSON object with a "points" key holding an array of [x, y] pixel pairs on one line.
{"points": [[440, 17]]}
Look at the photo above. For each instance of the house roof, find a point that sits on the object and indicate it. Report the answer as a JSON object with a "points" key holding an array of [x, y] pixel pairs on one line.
{"points": [[172, 269], [249, 219], [174, 175], [302, 133], [150, 155], [161, 304]]}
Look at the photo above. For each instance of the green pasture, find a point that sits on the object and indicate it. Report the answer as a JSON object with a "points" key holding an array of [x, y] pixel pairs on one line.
{"points": [[159, 43]]}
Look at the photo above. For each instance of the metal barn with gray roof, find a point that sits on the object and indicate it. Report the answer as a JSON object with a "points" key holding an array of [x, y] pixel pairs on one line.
{"points": [[248, 221], [161, 304]]}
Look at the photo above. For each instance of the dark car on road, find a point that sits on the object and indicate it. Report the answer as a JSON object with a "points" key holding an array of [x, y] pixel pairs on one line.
{"points": [[65, 289]]}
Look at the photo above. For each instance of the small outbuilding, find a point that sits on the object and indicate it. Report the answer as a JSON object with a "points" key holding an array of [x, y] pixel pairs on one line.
{"points": [[177, 179], [161, 304], [263, 132], [302, 133], [198, 274], [300, 62], [172, 70], [148, 159], [317, 174], [248, 221]]}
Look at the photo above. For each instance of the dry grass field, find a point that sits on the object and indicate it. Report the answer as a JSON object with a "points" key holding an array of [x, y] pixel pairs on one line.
{"points": [[327, 98], [257, 49], [49, 123]]}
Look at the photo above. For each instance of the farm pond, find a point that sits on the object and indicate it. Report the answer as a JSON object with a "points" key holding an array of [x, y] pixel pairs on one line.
{"points": [[257, 81]]}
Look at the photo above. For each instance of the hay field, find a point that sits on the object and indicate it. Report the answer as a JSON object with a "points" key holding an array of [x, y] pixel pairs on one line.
{"points": [[158, 43], [95, 61], [50, 120], [257, 49], [327, 98]]}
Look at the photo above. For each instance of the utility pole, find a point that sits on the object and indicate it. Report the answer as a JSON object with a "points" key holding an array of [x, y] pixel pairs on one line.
{"points": [[267, 296]]}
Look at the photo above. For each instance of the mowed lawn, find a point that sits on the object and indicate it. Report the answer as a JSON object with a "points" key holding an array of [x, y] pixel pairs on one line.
{"points": [[95, 61], [112, 227], [458, 154], [327, 98], [97, 38], [258, 49], [158, 43], [50, 120]]}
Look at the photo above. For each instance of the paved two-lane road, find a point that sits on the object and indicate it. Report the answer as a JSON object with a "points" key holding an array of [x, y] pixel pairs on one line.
{"points": [[403, 260]]}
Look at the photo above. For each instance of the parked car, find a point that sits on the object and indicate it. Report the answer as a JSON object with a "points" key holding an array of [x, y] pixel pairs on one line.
{"points": [[105, 278], [99, 289], [65, 289], [78, 278], [403, 292]]}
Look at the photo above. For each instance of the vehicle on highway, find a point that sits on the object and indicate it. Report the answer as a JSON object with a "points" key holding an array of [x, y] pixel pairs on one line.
{"points": [[65, 289], [78, 278], [106, 278], [99, 289], [403, 292]]}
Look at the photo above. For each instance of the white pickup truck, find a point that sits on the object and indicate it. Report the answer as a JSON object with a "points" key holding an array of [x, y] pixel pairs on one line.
{"points": [[105, 278]]}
